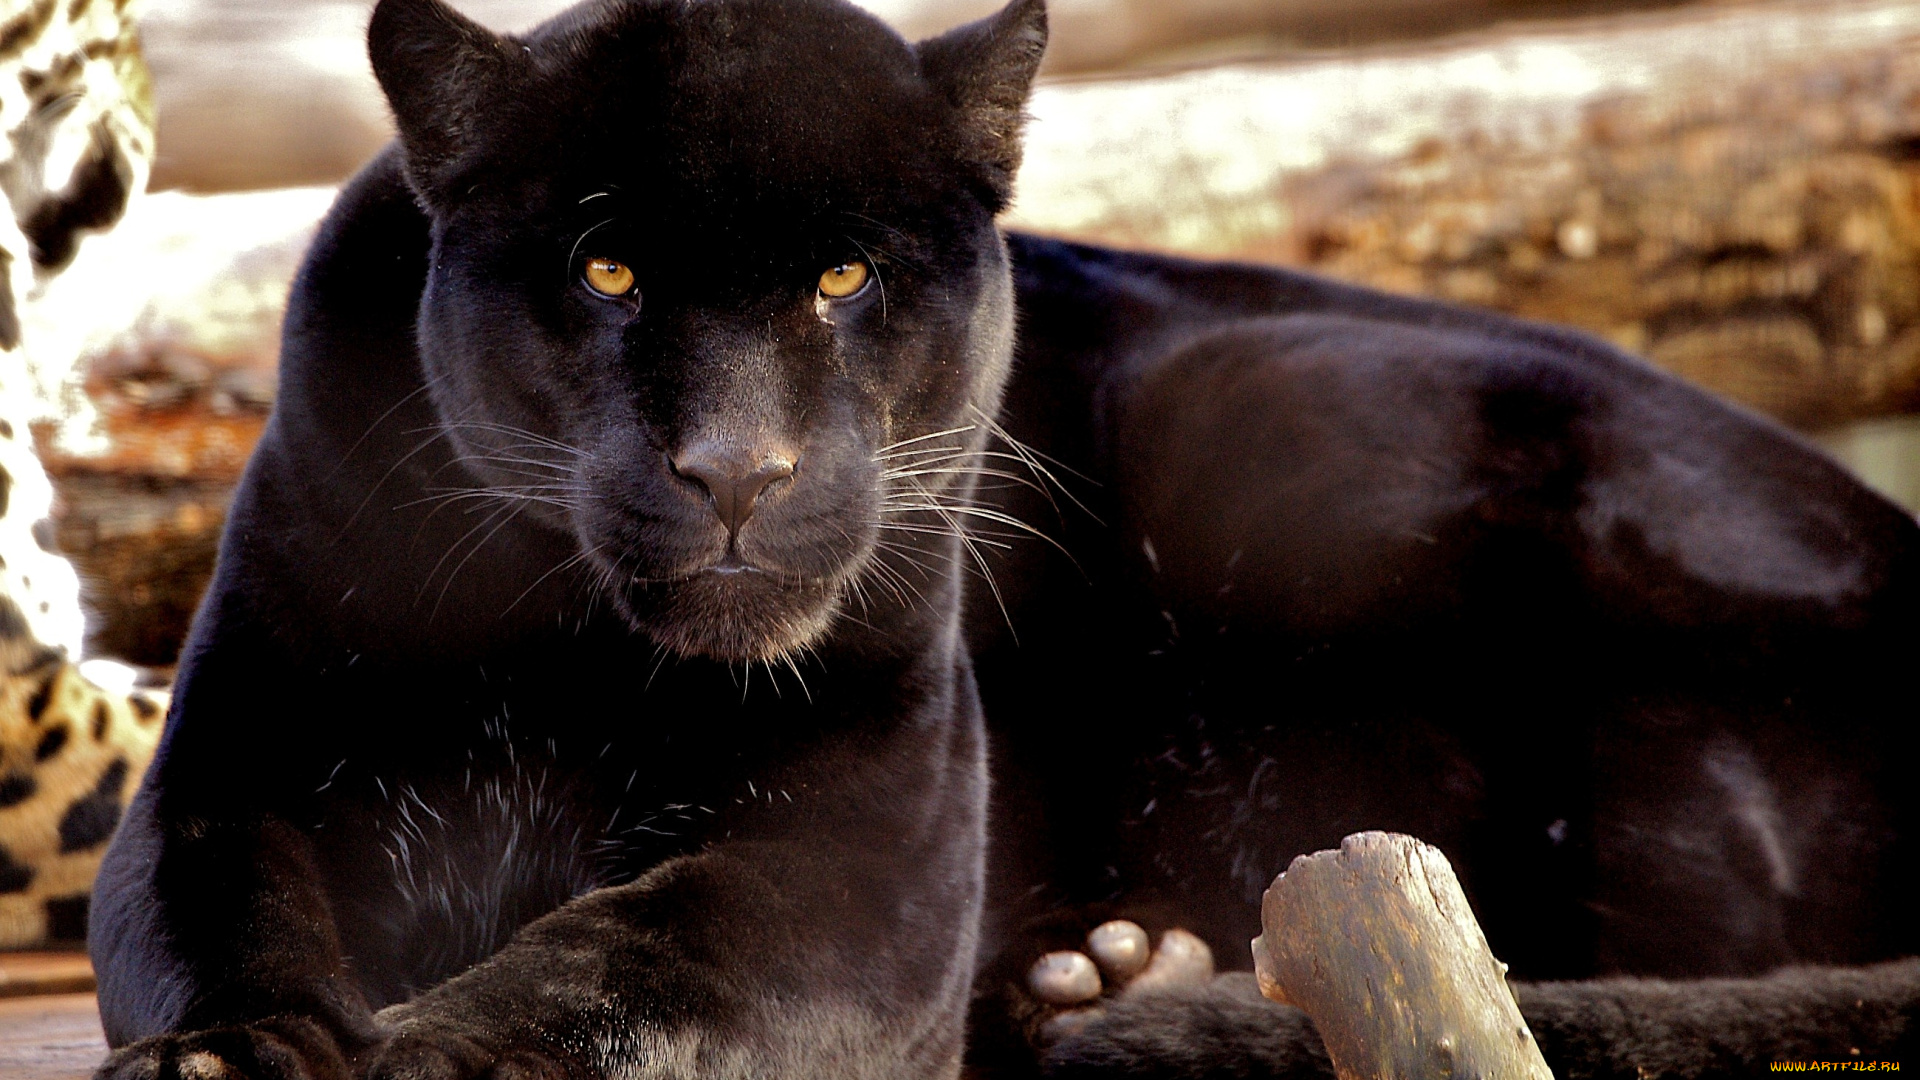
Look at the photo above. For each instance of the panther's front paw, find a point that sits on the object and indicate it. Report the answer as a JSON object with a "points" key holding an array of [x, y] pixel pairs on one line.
{"points": [[280, 1048], [424, 1052], [1117, 959]]}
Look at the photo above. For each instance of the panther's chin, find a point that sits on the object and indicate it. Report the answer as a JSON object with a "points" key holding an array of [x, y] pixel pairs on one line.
{"points": [[732, 612]]}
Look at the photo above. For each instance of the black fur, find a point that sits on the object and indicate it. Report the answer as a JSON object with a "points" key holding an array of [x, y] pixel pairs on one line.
{"points": [[1601, 1030], [487, 706], [490, 719], [1629, 655]]}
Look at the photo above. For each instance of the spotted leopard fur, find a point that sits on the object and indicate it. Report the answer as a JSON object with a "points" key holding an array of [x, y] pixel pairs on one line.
{"points": [[77, 116]]}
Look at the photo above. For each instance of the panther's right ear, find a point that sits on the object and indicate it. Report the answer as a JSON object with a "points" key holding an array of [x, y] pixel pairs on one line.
{"points": [[442, 74]]}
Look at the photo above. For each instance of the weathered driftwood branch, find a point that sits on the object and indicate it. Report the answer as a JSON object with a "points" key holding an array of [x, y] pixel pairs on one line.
{"points": [[1376, 944]]}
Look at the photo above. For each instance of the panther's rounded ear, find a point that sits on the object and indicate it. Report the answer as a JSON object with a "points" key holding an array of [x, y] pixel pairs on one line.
{"points": [[443, 74], [985, 69]]}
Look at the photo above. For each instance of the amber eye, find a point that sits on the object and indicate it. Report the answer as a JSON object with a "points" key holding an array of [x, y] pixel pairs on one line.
{"points": [[609, 278], [843, 281]]}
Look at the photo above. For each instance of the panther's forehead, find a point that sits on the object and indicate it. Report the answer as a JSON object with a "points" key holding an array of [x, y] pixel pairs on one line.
{"points": [[744, 106]]}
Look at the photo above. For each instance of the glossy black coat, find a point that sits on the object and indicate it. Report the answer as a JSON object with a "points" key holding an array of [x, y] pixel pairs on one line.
{"points": [[1332, 561]]}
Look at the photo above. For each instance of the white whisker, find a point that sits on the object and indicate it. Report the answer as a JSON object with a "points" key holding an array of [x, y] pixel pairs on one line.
{"points": [[923, 438]]}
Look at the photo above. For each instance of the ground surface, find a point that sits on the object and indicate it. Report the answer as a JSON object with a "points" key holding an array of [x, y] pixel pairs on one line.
{"points": [[49, 1025]]}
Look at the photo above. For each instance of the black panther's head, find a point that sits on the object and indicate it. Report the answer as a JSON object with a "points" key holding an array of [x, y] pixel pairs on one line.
{"points": [[715, 285]]}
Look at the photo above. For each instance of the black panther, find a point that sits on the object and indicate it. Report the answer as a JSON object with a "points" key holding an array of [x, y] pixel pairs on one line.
{"points": [[680, 494]]}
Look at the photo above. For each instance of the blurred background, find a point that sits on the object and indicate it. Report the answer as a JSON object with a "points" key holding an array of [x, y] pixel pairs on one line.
{"points": [[1728, 187]]}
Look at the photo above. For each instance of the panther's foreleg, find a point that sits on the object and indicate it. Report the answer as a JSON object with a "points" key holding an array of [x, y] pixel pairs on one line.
{"points": [[833, 934]]}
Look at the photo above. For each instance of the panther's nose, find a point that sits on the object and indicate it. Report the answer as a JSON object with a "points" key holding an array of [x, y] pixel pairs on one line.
{"points": [[733, 475]]}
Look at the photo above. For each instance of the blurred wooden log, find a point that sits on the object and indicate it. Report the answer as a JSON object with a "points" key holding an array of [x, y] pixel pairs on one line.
{"points": [[1104, 35], [1734, 192], [269, 93], [1729, 189], [1376, 944]]}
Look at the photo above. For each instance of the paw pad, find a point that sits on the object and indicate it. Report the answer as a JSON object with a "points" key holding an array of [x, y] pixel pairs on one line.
{"points": [[1118, 956], [1181, 960], [1120, 948], [1064, 978]]}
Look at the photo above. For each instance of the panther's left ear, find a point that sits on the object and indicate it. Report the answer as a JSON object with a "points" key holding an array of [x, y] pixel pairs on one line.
{"points": [[443, 74], [985, 69]]}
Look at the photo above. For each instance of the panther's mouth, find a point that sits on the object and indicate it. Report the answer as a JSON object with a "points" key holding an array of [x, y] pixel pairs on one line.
{"points": [[728, 569], [732, 563], [732, 610], [869, 536], [729, 566]]}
